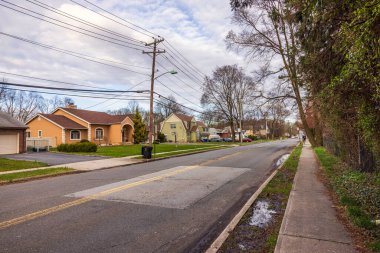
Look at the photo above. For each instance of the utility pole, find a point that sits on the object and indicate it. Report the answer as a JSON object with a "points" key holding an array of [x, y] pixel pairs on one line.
{"points": [[154, 53]]}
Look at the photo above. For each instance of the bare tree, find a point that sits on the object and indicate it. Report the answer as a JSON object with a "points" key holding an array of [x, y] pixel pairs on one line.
{"points": [[268, 34], [226, 92], [165, 107], [49, 105]]}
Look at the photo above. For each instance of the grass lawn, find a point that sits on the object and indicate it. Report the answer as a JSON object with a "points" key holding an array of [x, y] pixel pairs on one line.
{"points": [[32, 174], [135, 149], [276, 194], [8, 164], [359, 195]]}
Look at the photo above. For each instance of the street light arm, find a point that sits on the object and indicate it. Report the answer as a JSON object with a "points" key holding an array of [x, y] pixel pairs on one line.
{"points": [[173, 72]]}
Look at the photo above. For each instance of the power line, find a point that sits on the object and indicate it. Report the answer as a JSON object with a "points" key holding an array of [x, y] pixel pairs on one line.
{"points": [[73, 95], [178, 94], [71, 89], [188, 85], [109, 13], [159, 102], [184, 58], [82, 21], [115, 96], [184, 72], [112, 42], [191, 75], [49, 80], [72, 53]]}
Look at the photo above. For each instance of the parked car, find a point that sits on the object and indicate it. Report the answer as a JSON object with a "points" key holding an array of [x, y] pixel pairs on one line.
{"points": [[215, 139], [204, 139], [227, 139], [247, 140]]}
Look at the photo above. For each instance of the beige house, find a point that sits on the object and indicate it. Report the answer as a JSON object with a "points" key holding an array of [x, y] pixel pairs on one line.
{"points": [[71, 125], [182, 128]]}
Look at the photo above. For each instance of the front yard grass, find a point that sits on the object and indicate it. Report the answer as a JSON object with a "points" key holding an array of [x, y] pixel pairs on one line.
{"points": [[135, 149], [358, 195], [17, 176], [250, 238], [8, 164]]}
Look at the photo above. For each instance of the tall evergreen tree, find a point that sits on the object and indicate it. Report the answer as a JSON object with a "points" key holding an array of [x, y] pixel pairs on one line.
{"points": [[140, 134]]}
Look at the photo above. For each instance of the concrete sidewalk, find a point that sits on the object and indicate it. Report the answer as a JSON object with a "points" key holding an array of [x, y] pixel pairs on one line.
{"points": [[310, 222]]}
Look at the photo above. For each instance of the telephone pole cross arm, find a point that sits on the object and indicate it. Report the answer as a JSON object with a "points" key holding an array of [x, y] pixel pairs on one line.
{"points": [[154, 53]]}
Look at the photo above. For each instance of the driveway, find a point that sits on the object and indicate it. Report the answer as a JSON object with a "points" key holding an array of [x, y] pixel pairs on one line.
{"points": [[52, 158]]}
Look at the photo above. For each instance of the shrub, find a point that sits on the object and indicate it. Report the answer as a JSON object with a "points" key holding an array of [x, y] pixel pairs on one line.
{"points": [[253, 137], [84, 140], [161, 137], [78, 147]]}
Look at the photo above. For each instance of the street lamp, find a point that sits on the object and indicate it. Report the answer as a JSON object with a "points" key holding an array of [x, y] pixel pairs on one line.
{"points": [[151, 127]]}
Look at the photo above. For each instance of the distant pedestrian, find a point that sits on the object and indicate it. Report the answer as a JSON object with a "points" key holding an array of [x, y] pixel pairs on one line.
{"points": [[304, 138]]}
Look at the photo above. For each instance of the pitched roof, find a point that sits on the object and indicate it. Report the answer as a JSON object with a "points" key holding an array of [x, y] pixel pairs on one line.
{"points": [[94, 117], [201, 124], [7, 121], [194, 128], [63, 121], [183, 117]]}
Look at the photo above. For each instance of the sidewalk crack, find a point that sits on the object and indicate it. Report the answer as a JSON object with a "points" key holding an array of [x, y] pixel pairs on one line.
{"points": [[319, 239]]}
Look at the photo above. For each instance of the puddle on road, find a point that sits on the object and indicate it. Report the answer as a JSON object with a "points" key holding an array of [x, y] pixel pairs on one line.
{"points": [[282, 159], [261, 214]]}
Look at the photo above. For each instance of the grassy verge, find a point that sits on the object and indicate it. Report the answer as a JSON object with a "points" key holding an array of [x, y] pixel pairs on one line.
{"points": [[8, 164], [135, 149], [358, 194], [250, 238], [187, 151], [12, 177]]}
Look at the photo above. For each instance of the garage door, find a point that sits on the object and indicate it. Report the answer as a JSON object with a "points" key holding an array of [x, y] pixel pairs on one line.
{"points": [[8, 144]]}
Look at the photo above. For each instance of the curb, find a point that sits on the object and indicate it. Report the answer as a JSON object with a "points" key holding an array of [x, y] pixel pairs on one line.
{"points": [[215, 246]]}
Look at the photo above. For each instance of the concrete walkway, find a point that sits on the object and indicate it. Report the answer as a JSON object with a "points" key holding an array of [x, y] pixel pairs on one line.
{"points": [[310, 222]]}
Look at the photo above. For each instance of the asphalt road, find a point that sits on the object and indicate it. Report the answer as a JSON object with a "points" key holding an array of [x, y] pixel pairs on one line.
{"points": [[173, 205]]}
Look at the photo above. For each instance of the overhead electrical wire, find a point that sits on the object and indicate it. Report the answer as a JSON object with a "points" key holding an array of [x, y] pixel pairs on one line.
{"points": [[44, 20], [196, 70], [72, 94], [116, 95], [49, 80], [82, 21], [72, 53], [72, 89], [175, 76], [113, 15], [183, 71], [178, 94]]}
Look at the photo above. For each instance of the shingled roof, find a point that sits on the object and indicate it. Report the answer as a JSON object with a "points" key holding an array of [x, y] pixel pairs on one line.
{"points": [[8, 122], [94, 117], [63, 121]]}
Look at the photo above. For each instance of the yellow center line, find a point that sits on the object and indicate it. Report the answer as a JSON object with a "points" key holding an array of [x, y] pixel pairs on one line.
{"points": [[83, 200]]}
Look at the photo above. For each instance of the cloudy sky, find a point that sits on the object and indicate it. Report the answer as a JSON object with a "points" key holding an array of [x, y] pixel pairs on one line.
{"points": [[196, 29]]}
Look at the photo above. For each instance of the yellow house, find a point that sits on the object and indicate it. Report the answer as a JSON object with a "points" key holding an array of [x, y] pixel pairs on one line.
{"points": [[71, 125], [182, 128]]}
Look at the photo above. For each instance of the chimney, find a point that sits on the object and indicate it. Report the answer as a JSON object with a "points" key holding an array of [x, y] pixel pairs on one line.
{"points": [[71, 106]]}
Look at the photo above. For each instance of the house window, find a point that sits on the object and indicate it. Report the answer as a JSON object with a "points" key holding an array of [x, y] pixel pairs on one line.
{"points": [[99, 134], [74, 135], [39, 133], [172, 126], [27, 134]]}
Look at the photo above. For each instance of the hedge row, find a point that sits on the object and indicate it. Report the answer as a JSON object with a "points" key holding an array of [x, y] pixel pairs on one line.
{"points": [[78, 147]]}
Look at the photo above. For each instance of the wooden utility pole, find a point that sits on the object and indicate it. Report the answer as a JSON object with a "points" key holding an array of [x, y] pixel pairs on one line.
{"points": [[154, 53]]}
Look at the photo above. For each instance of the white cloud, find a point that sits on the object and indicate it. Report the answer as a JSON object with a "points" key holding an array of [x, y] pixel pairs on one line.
{"points": [[196, 28]]}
